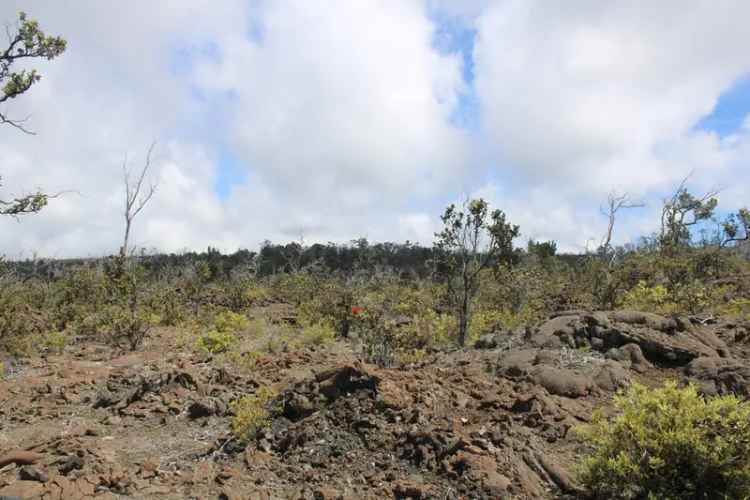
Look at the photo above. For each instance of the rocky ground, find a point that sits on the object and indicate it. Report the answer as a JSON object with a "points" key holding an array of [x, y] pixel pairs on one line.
{"points": [[494, 421]]}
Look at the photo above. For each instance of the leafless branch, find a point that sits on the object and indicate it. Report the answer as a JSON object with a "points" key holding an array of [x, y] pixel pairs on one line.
{"points": [[615, 203], [135, 200]]}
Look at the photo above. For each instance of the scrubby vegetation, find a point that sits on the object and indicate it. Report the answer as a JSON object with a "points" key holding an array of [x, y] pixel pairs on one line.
{"points": [[398, 305], [251, 414], [388, 298], [389, 305], [670, 443]]}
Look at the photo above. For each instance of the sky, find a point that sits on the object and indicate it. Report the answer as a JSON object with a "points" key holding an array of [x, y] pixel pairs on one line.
{"points": [[332, 120]]}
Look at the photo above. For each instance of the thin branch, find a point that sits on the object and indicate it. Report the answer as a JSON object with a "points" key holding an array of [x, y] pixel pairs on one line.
{"points": [[16, 123], [135, 201]]}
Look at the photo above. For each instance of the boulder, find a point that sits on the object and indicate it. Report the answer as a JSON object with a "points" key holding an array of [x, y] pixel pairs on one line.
{"points": [[630, 356], [663, 340], [611, 376], [558, 331], [649, 320], [562, 382], [206, 407], [486, 341], [720, 376], [516, 364]]}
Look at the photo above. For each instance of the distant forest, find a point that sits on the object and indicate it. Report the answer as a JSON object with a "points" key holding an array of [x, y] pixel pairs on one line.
{"points": [[408, 259]]}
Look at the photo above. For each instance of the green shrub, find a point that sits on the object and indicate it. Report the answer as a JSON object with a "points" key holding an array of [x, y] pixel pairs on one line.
{"points": [[231, 322], [648, 298], [123, 324], [55, 341], [488, 321], [22, 320], [669, 443], [223, 336], [318, 334], [216, 341], [251, 414]]}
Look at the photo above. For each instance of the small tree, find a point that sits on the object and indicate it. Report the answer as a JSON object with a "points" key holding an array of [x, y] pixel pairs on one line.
{"points": [[293, 254], [126, 277], [542, 249], [26, 41], [472, 239], [681, 213], [736, 227]]}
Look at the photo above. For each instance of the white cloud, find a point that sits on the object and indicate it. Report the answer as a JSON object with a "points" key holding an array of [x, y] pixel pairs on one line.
{"points": [[587, 93], [584, 97], [343, 109], [341, 115], [340, 112]]}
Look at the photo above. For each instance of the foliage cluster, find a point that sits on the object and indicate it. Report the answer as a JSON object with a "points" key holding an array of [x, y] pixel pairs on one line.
{"points": [[252, 413], [223, 335], [669, 443], [121, 302]]}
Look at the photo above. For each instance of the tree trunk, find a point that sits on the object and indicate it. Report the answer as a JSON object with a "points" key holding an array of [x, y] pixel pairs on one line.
{"points": [[463, 320], [124, 248]]}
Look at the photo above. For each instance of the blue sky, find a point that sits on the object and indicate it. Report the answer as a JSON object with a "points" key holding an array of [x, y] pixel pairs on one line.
{"points": [[730, 111], [367, 118]]}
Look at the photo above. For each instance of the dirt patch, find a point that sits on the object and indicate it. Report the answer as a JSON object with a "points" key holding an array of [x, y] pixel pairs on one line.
{"points": [[494, 422]]}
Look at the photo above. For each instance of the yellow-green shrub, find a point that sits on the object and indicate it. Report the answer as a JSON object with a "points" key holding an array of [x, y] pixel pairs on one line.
{"points": [[669, 443], [257, 294], [245, 362], [216, 341], [488, 321], [251, 413], [647, 298], [317, 334], [429, 328], [738, 308], [409, 356], [223, 336], [55, 341], [22, 320], [231, 322]]}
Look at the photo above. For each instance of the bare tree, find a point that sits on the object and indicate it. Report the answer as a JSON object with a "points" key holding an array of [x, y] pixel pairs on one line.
{"points": [[135, 200], [615, 203]]}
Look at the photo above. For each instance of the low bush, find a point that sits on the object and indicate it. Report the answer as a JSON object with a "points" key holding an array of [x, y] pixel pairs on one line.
{"points": [[317, 334], [228, 321], [55, 342], [22, 320], [222, 335], [251, 414], [216, 341], [647, 298], [669, 443]]}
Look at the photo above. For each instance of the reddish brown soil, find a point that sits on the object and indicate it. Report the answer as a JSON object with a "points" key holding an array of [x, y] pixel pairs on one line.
{"points": [[94, 423]]}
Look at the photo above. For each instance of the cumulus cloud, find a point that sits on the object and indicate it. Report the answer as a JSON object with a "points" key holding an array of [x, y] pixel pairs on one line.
{"points": [[345, 111], [340, 116], [577, 99]]}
